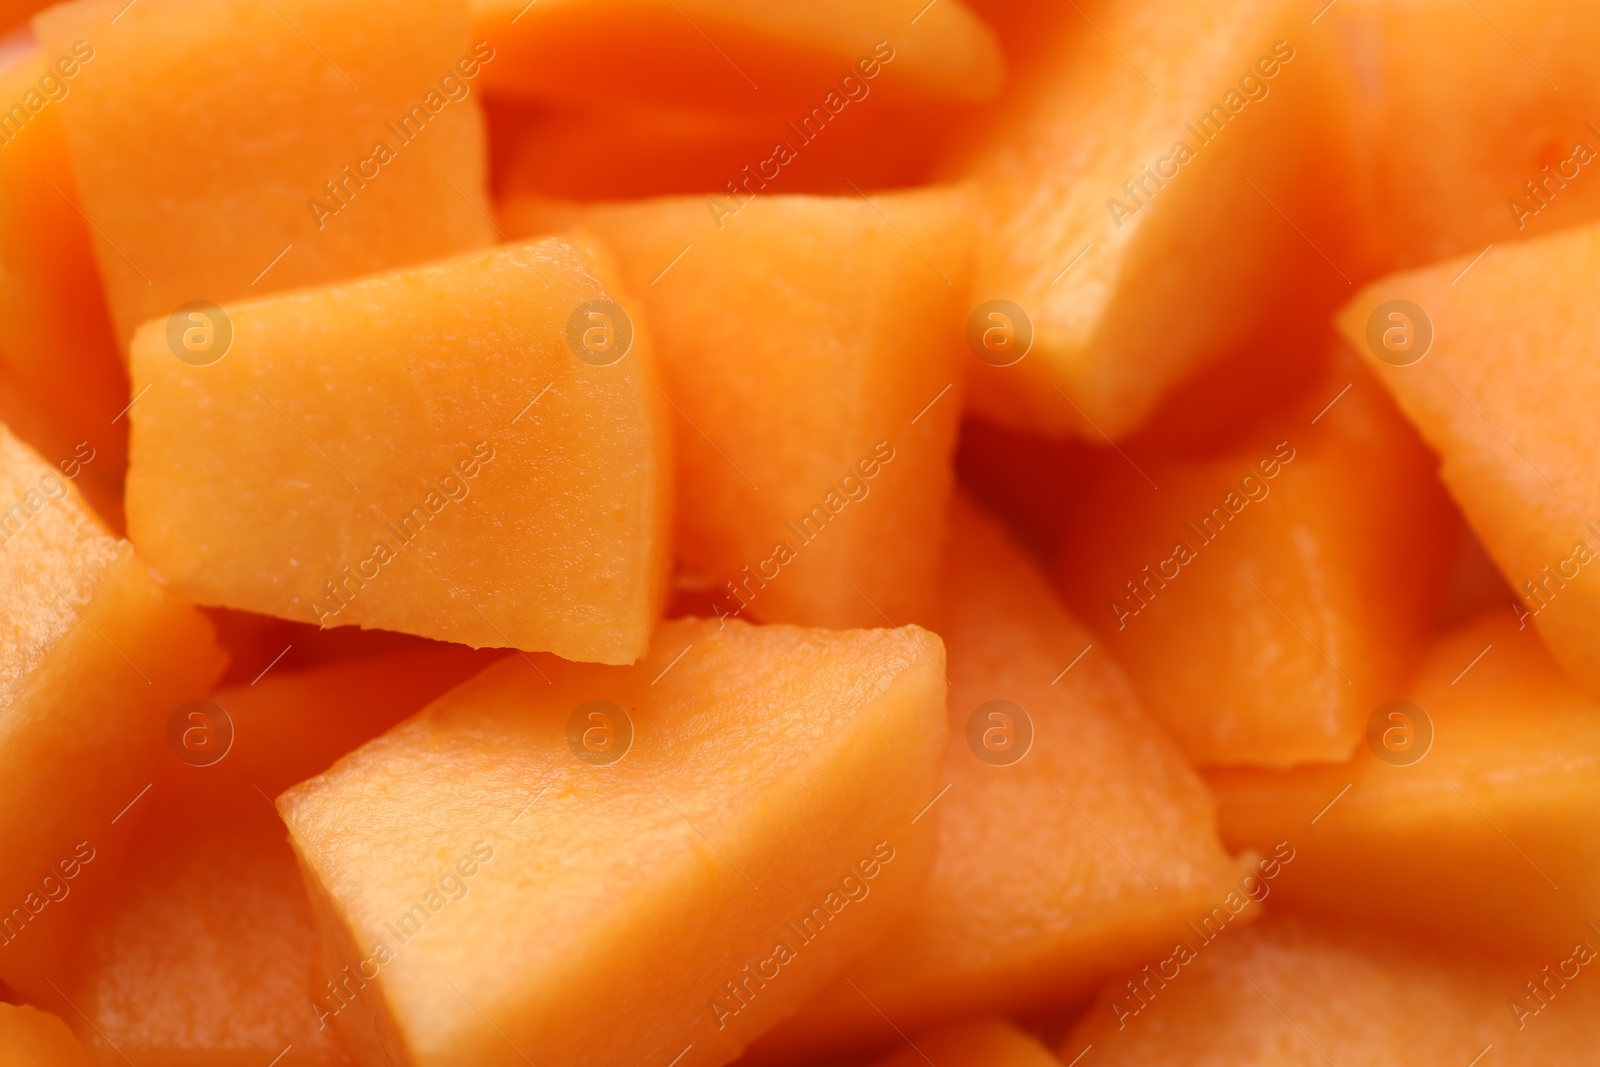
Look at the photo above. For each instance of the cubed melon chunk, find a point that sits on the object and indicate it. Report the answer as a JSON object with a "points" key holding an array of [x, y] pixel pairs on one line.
{"points": [[979, 1043], [662, 860], [443, 461], [315, 142], [1466, 823], [96, 653], [1497, 366], [1052, 871], [739, 54], [33, 1038], [1266, 600], [810, 348], [1282, 994], [1156, 164]]}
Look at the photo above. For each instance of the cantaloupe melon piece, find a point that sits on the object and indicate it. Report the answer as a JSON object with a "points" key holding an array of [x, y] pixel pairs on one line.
{"points": [[442, 461], [315, 143], [745, 830], [739, 54], [1266, 600], [1470, 842], [1286, 995], [95, 655], [33, 1038], [1503, 395], [1050, 873], [55, 336], [1157, 193], [980, 1043], [809, 347]]}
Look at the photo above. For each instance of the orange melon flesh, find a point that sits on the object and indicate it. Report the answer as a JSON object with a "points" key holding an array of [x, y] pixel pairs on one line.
{"points": [[55, 337], [807, 346], [255, 185], [1266, 600], [1502, 396], [1030, 902], [739, 54], [1132, 287], [1469, 843], [443, 463], [1288, 995], [33, 1038], [96, 654], [771, 771], [981, 1043]]}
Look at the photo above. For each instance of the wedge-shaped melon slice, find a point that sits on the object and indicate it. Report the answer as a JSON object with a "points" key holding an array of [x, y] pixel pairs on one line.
{"points": [[1156, 194], [1467, 821], [1266, 600], [1502, 391], [1287, 995], [96, 654], [1050, 872], [980, 1043], [740, 54], [663, 859], [442, 460], [315, 143], [33, 1038], [810, 347]]}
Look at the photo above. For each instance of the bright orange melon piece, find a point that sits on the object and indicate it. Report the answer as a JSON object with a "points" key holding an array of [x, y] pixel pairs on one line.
{"points": [[808, 345], [33, 1038], [1281, 994], [1051, 872], [980, 1043], [1471, 841], [1504, 395], [315, 143], [1266, 600], [1138, 181], [665, 859], [95, 655], [443, 462], [739, 54]]}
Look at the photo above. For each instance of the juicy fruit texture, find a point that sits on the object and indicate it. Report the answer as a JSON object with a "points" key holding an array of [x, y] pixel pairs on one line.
{"points": [[359, 153], [1469, 843], [1265, 601], [1284, 995], [1136, 192], [738, 54], [1505, 397], [96, 654], [1046, 870], [443, 462], [807, 345], [766, 777], [981, 1043], [33, 1038]]}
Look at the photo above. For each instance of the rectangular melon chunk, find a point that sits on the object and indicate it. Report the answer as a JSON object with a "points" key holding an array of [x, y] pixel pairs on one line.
{"points": [[314, 142], [95, 653], [442, 460], [661, 860]]}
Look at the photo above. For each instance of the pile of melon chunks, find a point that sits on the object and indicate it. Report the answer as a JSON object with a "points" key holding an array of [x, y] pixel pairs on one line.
{"points": [[664, 533]]}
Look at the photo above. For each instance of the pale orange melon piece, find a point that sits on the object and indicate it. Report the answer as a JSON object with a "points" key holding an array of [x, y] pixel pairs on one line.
{"points": [[1281, 994], [1470, 842], [662, 860], [739, 54], [980, 1043], [315, 142], [1051, 872], [810, 349], [1504, 395], [442, 461], [95, 653], [1165, 181], [33, 1038]]}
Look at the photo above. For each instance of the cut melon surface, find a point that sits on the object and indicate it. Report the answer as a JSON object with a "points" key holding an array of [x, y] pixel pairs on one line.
{"points": [[807, 347], [981, 1043], [33, 1038], [664, 859], [443, 461]]}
